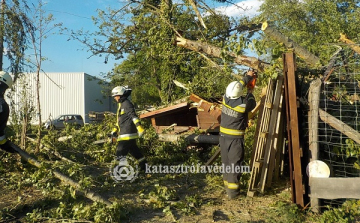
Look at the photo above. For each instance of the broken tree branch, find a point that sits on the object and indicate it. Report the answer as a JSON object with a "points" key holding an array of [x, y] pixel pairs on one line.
{"points": [[349, 42], [339, 125], [215, 51], [193, 5], [299, 50], [57, 154], [88, 193], [329, 67]]}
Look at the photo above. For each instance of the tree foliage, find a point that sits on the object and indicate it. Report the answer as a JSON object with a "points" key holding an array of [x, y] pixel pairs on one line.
{"points": [[143, 36], [314, 24], [13, 28]]}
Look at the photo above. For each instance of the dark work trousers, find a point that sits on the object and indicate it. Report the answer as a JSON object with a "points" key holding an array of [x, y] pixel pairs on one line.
{"points": [[232, 155], [129, 146]]}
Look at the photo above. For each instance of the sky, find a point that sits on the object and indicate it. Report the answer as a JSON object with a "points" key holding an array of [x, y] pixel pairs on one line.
{"points": [[65, 55]]}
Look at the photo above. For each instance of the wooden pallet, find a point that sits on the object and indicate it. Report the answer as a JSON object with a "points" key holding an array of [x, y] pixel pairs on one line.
{"points": [[261, 136], [272, 138]]}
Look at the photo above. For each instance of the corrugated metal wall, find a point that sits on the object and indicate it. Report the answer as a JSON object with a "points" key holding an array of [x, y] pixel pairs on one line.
{"points": [[97, 96], [61, 93]]}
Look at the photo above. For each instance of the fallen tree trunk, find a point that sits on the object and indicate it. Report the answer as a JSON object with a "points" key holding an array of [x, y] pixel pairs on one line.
{"points": [[349, 42], [88, 193], [339, 125], [299, 50], [215, 51], [193, 138]]}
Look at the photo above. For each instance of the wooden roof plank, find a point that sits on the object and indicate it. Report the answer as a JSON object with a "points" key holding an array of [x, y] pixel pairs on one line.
{"points": [[164, 110]]}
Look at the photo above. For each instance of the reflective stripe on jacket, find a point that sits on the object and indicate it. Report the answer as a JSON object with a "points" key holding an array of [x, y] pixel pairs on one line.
{"points": [[234, 115], [127, 121]]}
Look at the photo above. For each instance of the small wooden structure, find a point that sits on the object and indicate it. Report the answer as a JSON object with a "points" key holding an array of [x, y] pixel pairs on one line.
{"points": [[185, 116]]}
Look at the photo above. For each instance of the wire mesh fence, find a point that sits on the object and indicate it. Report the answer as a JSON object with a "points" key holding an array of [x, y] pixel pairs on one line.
{"points": [[340, 99], [338, 137]]}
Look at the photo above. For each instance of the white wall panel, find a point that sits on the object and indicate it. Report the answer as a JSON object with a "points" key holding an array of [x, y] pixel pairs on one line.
{"points": [[63, 93], [60, 93]]}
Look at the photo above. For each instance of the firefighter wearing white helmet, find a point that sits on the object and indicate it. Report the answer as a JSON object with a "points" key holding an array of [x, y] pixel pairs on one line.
{"points": [[234, 90], [234, 121], [128, 127], [5, 83]]}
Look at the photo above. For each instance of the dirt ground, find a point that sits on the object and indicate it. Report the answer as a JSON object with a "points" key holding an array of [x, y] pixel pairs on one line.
{"points": [[215, 206]]}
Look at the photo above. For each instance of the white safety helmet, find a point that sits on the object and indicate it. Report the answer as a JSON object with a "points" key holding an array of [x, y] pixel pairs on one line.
{"points": [[119, 90], [6, 78], [234, 90]]}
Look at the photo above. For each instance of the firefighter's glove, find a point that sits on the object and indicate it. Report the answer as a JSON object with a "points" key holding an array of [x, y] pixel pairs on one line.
{"points": [[141, 131], [7, 147], [114, 132]]}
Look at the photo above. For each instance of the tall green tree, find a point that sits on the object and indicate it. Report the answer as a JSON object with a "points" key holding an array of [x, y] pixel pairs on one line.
{"points": [[146, 43], [13, 35]]}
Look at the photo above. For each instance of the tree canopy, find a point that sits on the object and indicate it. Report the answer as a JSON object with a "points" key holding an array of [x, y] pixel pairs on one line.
{"points": [[144, 36]]}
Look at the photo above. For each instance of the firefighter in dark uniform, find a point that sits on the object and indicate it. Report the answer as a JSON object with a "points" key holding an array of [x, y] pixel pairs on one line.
{"points": [[5, 83], [128, 127], [234, 121]]}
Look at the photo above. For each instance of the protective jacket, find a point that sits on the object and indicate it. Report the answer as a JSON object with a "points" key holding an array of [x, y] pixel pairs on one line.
{"points": [[4, 116], [127, 121], [234, 115]]}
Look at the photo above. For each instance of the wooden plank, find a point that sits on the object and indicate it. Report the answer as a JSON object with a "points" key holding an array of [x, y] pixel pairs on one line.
{"points": [[153, 121], [256, 135], [212, 108], [279, 171], [291, 170], [166, 110], [271, 132], [294, 128], [277, 140], [335, 188], [313, 119], [340, 126]]}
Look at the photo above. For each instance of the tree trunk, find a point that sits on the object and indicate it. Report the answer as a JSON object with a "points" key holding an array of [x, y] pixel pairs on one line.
{"points": [[88, 193], [38, 108], [349, 42], [299, 50], [340, 126], [215, 51], [24, 130]]}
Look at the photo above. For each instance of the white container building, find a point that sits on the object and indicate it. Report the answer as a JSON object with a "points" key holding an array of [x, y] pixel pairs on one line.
{"points": [[63, 93]]}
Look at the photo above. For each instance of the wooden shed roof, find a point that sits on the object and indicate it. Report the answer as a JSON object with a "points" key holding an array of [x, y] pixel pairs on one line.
{"points": [[167, 110]]}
